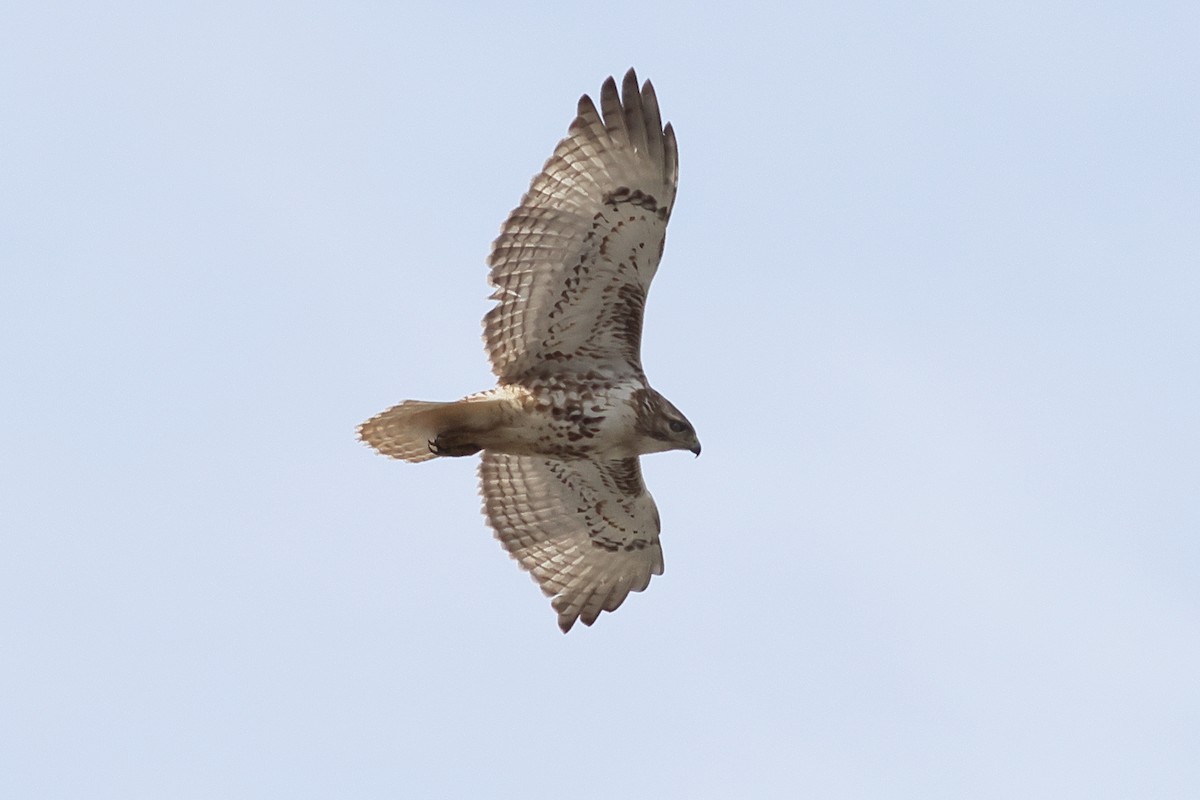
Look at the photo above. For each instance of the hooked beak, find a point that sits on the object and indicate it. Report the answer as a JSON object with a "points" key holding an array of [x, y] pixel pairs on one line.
{"points": [[696, 449]]}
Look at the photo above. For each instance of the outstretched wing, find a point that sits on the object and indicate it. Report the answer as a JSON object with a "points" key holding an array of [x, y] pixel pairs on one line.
{"points": [[574, 261], [586, 530]]}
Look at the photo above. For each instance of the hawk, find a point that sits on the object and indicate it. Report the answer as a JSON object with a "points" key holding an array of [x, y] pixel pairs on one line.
{"points": [[562, 432]]}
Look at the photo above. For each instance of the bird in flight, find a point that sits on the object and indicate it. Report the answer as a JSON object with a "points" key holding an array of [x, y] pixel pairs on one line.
{"points": [[562, 432]]}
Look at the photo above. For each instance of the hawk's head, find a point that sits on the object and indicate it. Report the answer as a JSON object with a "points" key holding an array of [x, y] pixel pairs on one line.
{"points": [[662, 425]]}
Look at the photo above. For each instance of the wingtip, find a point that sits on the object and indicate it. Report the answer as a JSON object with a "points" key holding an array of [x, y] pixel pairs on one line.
{"points": [[629, 84], [609, 87]]}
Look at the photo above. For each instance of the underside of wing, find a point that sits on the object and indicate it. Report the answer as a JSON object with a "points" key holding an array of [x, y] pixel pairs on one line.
{"points": [[587, 531], [573, 263]]}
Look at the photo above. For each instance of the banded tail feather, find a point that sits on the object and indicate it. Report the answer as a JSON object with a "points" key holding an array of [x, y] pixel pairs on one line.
{"points": [[419, 430]]}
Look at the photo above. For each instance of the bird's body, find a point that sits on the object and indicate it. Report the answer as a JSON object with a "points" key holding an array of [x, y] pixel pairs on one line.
{"points": [[562, 431], [588, 416]]}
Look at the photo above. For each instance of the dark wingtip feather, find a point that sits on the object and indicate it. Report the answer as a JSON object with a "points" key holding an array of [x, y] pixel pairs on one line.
{"points": [[671, 154], [653, 119], [585, 114], [635, 118], [608, 89], [614, 112]]}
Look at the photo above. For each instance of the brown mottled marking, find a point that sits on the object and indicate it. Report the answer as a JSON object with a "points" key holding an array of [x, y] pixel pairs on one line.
{"points": [[637, 197], [627, 477], [604, 543]]}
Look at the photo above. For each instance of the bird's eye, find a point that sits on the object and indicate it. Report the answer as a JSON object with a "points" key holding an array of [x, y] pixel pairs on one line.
{"points": [[677, 426]]}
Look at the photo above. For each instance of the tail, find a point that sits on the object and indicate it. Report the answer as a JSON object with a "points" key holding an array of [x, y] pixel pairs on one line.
{"points": [[407, 431]]}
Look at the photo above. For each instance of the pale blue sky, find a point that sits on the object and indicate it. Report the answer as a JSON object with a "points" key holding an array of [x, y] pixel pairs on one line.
{"points": [[930, 296]]}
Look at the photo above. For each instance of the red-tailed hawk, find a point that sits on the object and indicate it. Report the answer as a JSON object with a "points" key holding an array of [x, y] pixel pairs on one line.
{"points": [[562, 431]]}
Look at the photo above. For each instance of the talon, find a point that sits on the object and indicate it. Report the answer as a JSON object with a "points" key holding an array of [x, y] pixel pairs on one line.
{"points": [[451, 445]]}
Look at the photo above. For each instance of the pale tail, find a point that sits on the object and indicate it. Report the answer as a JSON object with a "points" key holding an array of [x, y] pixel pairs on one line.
{"points": [[405, 431]]}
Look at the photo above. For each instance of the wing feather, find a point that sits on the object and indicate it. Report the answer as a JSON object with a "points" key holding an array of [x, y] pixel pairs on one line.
{"points": [[653, 122], [587, 531], [614, 113], [573, 262], [634, 116]]}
